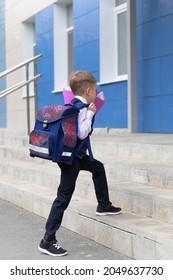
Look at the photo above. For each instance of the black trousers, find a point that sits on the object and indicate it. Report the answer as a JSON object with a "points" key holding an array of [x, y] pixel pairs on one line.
{"points": [[69, 174]]}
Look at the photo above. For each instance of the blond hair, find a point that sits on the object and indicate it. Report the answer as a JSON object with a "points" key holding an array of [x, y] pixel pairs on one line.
{"points": [[81, 80]]}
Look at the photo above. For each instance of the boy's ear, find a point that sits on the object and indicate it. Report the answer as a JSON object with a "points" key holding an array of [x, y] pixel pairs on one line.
{"points": [[88, 91]]}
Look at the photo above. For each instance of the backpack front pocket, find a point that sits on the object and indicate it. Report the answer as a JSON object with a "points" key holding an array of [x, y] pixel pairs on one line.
{"points": [[41, 144]]}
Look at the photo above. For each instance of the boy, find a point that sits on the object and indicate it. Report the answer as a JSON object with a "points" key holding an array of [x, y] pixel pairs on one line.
{"points": [[83, 85]]}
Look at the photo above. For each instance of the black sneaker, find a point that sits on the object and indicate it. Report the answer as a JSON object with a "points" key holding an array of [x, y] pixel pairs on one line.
{"points": [[108, 210], [51, 248]]}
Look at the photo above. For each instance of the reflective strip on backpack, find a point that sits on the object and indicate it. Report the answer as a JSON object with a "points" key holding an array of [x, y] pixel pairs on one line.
{"points": [[39, 149], [66, 154]]}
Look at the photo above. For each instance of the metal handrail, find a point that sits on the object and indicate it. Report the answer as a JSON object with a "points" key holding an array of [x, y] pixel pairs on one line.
{"points": [[24, 83], [18, 86], [12, 69]]}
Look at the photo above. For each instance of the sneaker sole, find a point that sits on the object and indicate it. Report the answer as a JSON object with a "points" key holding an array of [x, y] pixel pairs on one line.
{"points": [[107, 213], [44, 251]]}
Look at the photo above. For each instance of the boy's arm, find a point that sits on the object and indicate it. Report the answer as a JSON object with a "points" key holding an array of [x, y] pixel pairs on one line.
{"points": [[84, 122]]}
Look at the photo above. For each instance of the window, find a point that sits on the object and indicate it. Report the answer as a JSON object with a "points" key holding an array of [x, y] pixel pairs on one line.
{"points": [[113, 40], [119, 2], [121, 38], [63, 44]]}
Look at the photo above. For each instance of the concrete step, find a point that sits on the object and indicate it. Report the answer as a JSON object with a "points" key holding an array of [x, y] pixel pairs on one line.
{"points": [[19, 153], [13, 137], [156, 148], [129, 234], [119, 168], [32, 172], [149, 201], [144, 172]]}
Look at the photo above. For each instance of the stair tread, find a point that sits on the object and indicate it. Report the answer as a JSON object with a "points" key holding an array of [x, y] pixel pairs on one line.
{"points": [[30, 164], [85, 177], [129, 222], [133, 162], [108, 134]]}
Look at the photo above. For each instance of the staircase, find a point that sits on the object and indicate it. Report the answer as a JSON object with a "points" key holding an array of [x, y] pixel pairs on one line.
{"points": [[140, 174]]}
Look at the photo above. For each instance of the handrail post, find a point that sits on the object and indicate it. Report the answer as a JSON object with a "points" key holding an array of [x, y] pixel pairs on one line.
{"points": [[35, 87], [27, 99]]}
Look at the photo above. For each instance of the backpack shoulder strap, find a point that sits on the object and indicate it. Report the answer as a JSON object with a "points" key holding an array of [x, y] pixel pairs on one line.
{"points": [[86, 142], [78, 103]]}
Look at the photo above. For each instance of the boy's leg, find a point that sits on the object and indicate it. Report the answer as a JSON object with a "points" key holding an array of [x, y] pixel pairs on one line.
{"points": [[66, 188], [97, 169], [99, 178]]}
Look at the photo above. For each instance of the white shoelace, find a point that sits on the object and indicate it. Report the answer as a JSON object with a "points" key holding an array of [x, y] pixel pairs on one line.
{"points": [[56, 246]]}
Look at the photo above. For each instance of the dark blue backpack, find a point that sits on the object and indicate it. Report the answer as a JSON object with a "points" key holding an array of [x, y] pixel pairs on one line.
{"points": [[55, 133]]}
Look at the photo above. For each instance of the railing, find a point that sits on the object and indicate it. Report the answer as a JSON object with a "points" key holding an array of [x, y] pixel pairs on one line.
{"points": [[24, 83]]}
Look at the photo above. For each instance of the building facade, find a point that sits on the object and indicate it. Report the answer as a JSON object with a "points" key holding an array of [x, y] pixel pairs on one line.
{"points": [[91, 35], [2, 63]]}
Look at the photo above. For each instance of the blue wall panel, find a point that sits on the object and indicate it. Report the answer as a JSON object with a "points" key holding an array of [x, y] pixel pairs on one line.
{"points": [[140, 114], [87, 28], [166, 7], [151, 83], [152, 39], [167, 111], [2, 64], [44, 45], [84, 6], [86, 58], [154, 65], [152, 109], [166, 35], [114, 112], [166, 75], [86, 36]]}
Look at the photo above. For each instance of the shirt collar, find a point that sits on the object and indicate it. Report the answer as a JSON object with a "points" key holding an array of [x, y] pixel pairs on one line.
{"points": [[81, 99]]}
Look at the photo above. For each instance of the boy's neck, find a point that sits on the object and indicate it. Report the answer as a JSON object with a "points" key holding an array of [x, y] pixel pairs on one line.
{"points": [[84, 96]]}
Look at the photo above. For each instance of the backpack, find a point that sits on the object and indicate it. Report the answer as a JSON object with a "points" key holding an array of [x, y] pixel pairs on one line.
{"points": [[54, 136]]}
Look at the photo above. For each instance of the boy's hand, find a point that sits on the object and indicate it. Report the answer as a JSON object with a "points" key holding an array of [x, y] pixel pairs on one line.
{"points": [[92, 107]]}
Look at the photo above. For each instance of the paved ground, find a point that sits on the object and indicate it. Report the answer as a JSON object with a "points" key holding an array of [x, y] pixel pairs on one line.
{"points": [[21, 231]]}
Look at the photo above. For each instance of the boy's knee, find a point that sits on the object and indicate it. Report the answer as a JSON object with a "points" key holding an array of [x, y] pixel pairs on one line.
{"points": [[100, 165]]}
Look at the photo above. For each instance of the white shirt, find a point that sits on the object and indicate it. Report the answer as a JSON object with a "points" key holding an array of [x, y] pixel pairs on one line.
{"points": [[84, 120]]}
